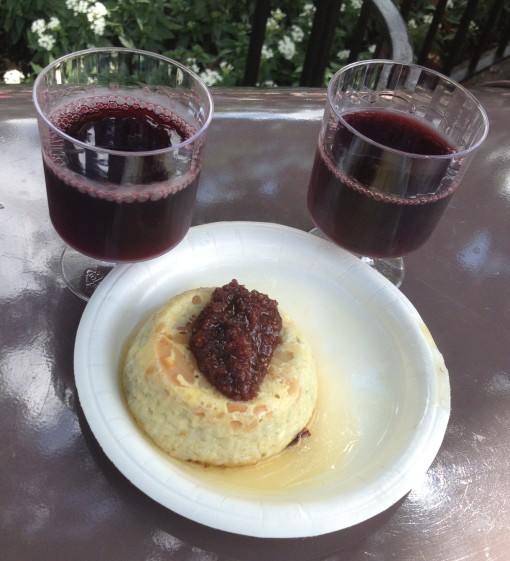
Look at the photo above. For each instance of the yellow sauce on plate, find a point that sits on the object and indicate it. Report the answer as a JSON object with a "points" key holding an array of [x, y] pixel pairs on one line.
{"points": [[315, 460]]}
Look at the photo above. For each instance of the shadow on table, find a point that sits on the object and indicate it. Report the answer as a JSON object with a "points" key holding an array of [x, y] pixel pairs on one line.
{"points": [[245, 548]]}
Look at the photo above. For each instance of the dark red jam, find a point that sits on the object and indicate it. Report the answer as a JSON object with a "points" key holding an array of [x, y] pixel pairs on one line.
{"points": [[233, 339]]}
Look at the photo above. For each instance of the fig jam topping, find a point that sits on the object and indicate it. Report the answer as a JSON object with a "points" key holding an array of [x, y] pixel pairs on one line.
{"points": [[233, 339]]}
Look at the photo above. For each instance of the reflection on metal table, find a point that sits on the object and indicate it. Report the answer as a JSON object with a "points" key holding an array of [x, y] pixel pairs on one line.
{"points": [[62, 498]]}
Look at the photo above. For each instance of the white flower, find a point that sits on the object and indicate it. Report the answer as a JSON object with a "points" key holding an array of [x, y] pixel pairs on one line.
{"points": [[371, 49], [38, 26], [96, 11], [297, 33], [96, 16], [53, 23], [427, 19], [83, 7], [191, 63], [287, 47], [13, 77], [266, 52], [357, 4], [79, 6], [277, 14], [72, 5], [98, 26], [226, 67], [46, 42], [308, 10], [210, 77], [344, 54], [449, 4], [412, 24], [272, 24]]}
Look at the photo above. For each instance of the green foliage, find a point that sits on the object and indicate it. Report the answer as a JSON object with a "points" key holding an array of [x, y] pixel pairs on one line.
{"points": [[421, 17], [210, 36]]}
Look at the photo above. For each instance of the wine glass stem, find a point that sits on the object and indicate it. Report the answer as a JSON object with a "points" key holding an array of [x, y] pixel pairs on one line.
{"points": [[392, 268], [83, 274]]}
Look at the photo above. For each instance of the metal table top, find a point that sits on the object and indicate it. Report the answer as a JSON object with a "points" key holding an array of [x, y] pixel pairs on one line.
{"points": [[61, 498]]}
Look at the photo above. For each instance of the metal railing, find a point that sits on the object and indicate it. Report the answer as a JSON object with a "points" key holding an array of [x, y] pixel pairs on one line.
{"points": [[492, 43], [393, 37], [393, 41]]}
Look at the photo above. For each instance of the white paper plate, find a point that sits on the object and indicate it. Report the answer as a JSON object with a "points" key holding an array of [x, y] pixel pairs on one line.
{"points": [[385, 396]]}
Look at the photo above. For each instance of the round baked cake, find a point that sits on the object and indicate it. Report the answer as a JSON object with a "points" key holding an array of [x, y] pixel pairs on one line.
{"points": [[188, 418]]}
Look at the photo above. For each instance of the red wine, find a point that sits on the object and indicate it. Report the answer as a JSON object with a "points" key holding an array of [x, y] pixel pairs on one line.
{"points": [[106, 206], [380, 207]]}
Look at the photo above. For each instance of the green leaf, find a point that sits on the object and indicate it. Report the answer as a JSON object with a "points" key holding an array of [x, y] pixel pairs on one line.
{"points": [[126, 42]]}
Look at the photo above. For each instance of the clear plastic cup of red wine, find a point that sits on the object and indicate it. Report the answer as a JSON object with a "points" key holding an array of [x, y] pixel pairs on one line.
{"points": [[395, 142], [122, 136]]}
